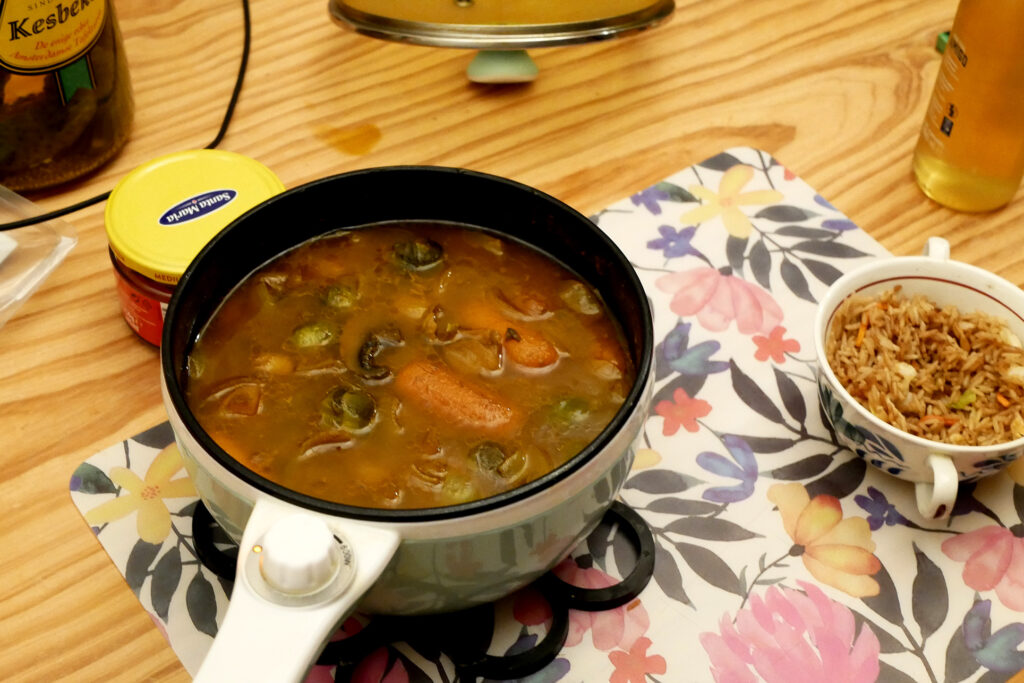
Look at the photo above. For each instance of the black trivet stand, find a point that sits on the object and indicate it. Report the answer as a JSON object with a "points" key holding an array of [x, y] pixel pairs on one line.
{"points": [[432, 632]]}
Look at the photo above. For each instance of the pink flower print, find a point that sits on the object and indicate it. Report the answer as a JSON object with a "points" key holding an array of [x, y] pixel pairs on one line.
{"points": [[320, 673], [775, 345], [792, 637], [634, 665], [718, 299], [610, 629], [994, 559], [324, 673], [681, 411], [530, 608], [377, 667]]}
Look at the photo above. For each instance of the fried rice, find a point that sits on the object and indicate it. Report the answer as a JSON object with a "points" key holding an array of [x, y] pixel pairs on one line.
{"points": [[934, 372]]}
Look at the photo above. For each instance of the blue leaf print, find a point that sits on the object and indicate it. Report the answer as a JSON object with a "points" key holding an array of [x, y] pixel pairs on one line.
{"points": [[839, 224], [880, 510], [998, 651], [744, 469], [652, 197], [690, 361], [676, 341], [649, 199], [674, 243], [818, 199], [697, 360]]}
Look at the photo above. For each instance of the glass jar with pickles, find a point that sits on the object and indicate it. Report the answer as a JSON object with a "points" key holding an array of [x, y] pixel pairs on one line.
{"points": [[65, 96]]}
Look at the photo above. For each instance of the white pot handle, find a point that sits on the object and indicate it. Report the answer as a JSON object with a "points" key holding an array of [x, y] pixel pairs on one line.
{"points": [[935, 499], [296, 579]]}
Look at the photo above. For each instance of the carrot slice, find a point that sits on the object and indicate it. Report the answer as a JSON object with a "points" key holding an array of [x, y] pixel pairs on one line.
{"points": [[523, 345], [1003, 401], [529, 348], [863, 329], [439, 392]]}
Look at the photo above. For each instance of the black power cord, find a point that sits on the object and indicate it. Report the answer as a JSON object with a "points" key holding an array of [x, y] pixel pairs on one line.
{"points": [[228, 113]]}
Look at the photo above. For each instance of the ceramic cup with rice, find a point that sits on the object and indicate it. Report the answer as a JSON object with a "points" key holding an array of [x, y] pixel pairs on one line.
{"points": [[937, 468]]}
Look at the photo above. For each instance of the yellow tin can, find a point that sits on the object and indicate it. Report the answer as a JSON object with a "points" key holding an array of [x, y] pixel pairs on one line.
{"points": [[162, 214]]}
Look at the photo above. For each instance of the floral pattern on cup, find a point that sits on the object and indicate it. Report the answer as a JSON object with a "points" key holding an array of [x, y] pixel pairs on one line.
{"points": [[874, 448]]}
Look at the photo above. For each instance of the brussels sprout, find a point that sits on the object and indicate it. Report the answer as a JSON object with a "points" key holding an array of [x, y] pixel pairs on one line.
{"points": [[340, 296], [488, 456], [419, 254], [491, 458], [569, 411], [311, 335], [349, 409]]}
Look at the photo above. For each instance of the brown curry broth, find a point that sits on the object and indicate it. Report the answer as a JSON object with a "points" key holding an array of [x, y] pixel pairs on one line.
{"points": [[408, 458]]}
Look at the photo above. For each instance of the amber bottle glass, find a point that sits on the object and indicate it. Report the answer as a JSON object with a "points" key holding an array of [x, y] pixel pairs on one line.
{"points": [[970, 155], [65, 96]]}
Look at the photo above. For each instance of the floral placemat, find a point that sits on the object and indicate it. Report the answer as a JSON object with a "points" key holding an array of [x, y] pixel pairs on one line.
{"points": [[780, 556]]}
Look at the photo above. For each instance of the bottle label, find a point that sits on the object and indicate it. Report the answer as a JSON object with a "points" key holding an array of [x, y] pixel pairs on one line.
{"points": [[41, 36]]}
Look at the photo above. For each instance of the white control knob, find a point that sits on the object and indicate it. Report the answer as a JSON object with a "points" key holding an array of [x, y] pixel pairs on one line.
{"points": [[299, 555]]}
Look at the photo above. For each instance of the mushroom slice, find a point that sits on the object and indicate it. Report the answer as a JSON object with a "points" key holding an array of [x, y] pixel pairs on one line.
{"points": [[239, 397], [374, 345]]}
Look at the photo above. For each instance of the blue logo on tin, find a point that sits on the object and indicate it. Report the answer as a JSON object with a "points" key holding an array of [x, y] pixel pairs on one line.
{"points": [[198, 206]]}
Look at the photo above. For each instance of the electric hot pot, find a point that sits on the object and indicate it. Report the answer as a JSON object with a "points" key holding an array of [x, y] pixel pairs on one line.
{"points": [[304, 564]]}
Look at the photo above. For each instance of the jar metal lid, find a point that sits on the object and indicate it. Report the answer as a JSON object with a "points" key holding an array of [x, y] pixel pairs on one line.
{"points": [[163, 213]]}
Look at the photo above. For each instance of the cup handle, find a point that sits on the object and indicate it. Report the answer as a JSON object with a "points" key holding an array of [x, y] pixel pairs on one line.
{"points": [[935, 498], [936, 248]]}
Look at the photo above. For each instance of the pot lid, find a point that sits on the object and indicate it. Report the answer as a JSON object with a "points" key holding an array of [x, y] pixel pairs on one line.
{"points": [[163, 213], [498, 24]]}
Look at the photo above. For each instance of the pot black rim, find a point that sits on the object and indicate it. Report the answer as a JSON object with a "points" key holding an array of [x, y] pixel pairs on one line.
{"points": [[635, 399]]}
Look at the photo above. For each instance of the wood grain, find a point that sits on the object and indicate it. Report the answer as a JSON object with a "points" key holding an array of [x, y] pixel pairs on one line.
{"points": [[836, 91]]}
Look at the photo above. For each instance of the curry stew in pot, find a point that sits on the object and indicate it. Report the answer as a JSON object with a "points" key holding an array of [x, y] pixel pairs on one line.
{"points": [[408, 365]]}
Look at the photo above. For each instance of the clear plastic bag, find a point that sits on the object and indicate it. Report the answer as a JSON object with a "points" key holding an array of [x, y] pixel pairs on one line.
{"points": [[29, 254]]}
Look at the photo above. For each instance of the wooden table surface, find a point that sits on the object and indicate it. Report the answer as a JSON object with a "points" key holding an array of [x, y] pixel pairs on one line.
{"points": [[835, 90]]}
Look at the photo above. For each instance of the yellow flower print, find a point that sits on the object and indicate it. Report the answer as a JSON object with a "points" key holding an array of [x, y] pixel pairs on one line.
{"points": [[728, 199], [146, 496], [645, 458], [1016, 471], [836, 551]]}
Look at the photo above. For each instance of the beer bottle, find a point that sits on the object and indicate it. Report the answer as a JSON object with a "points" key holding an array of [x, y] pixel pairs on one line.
{"points": [[65, 98], [970, 155]]}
